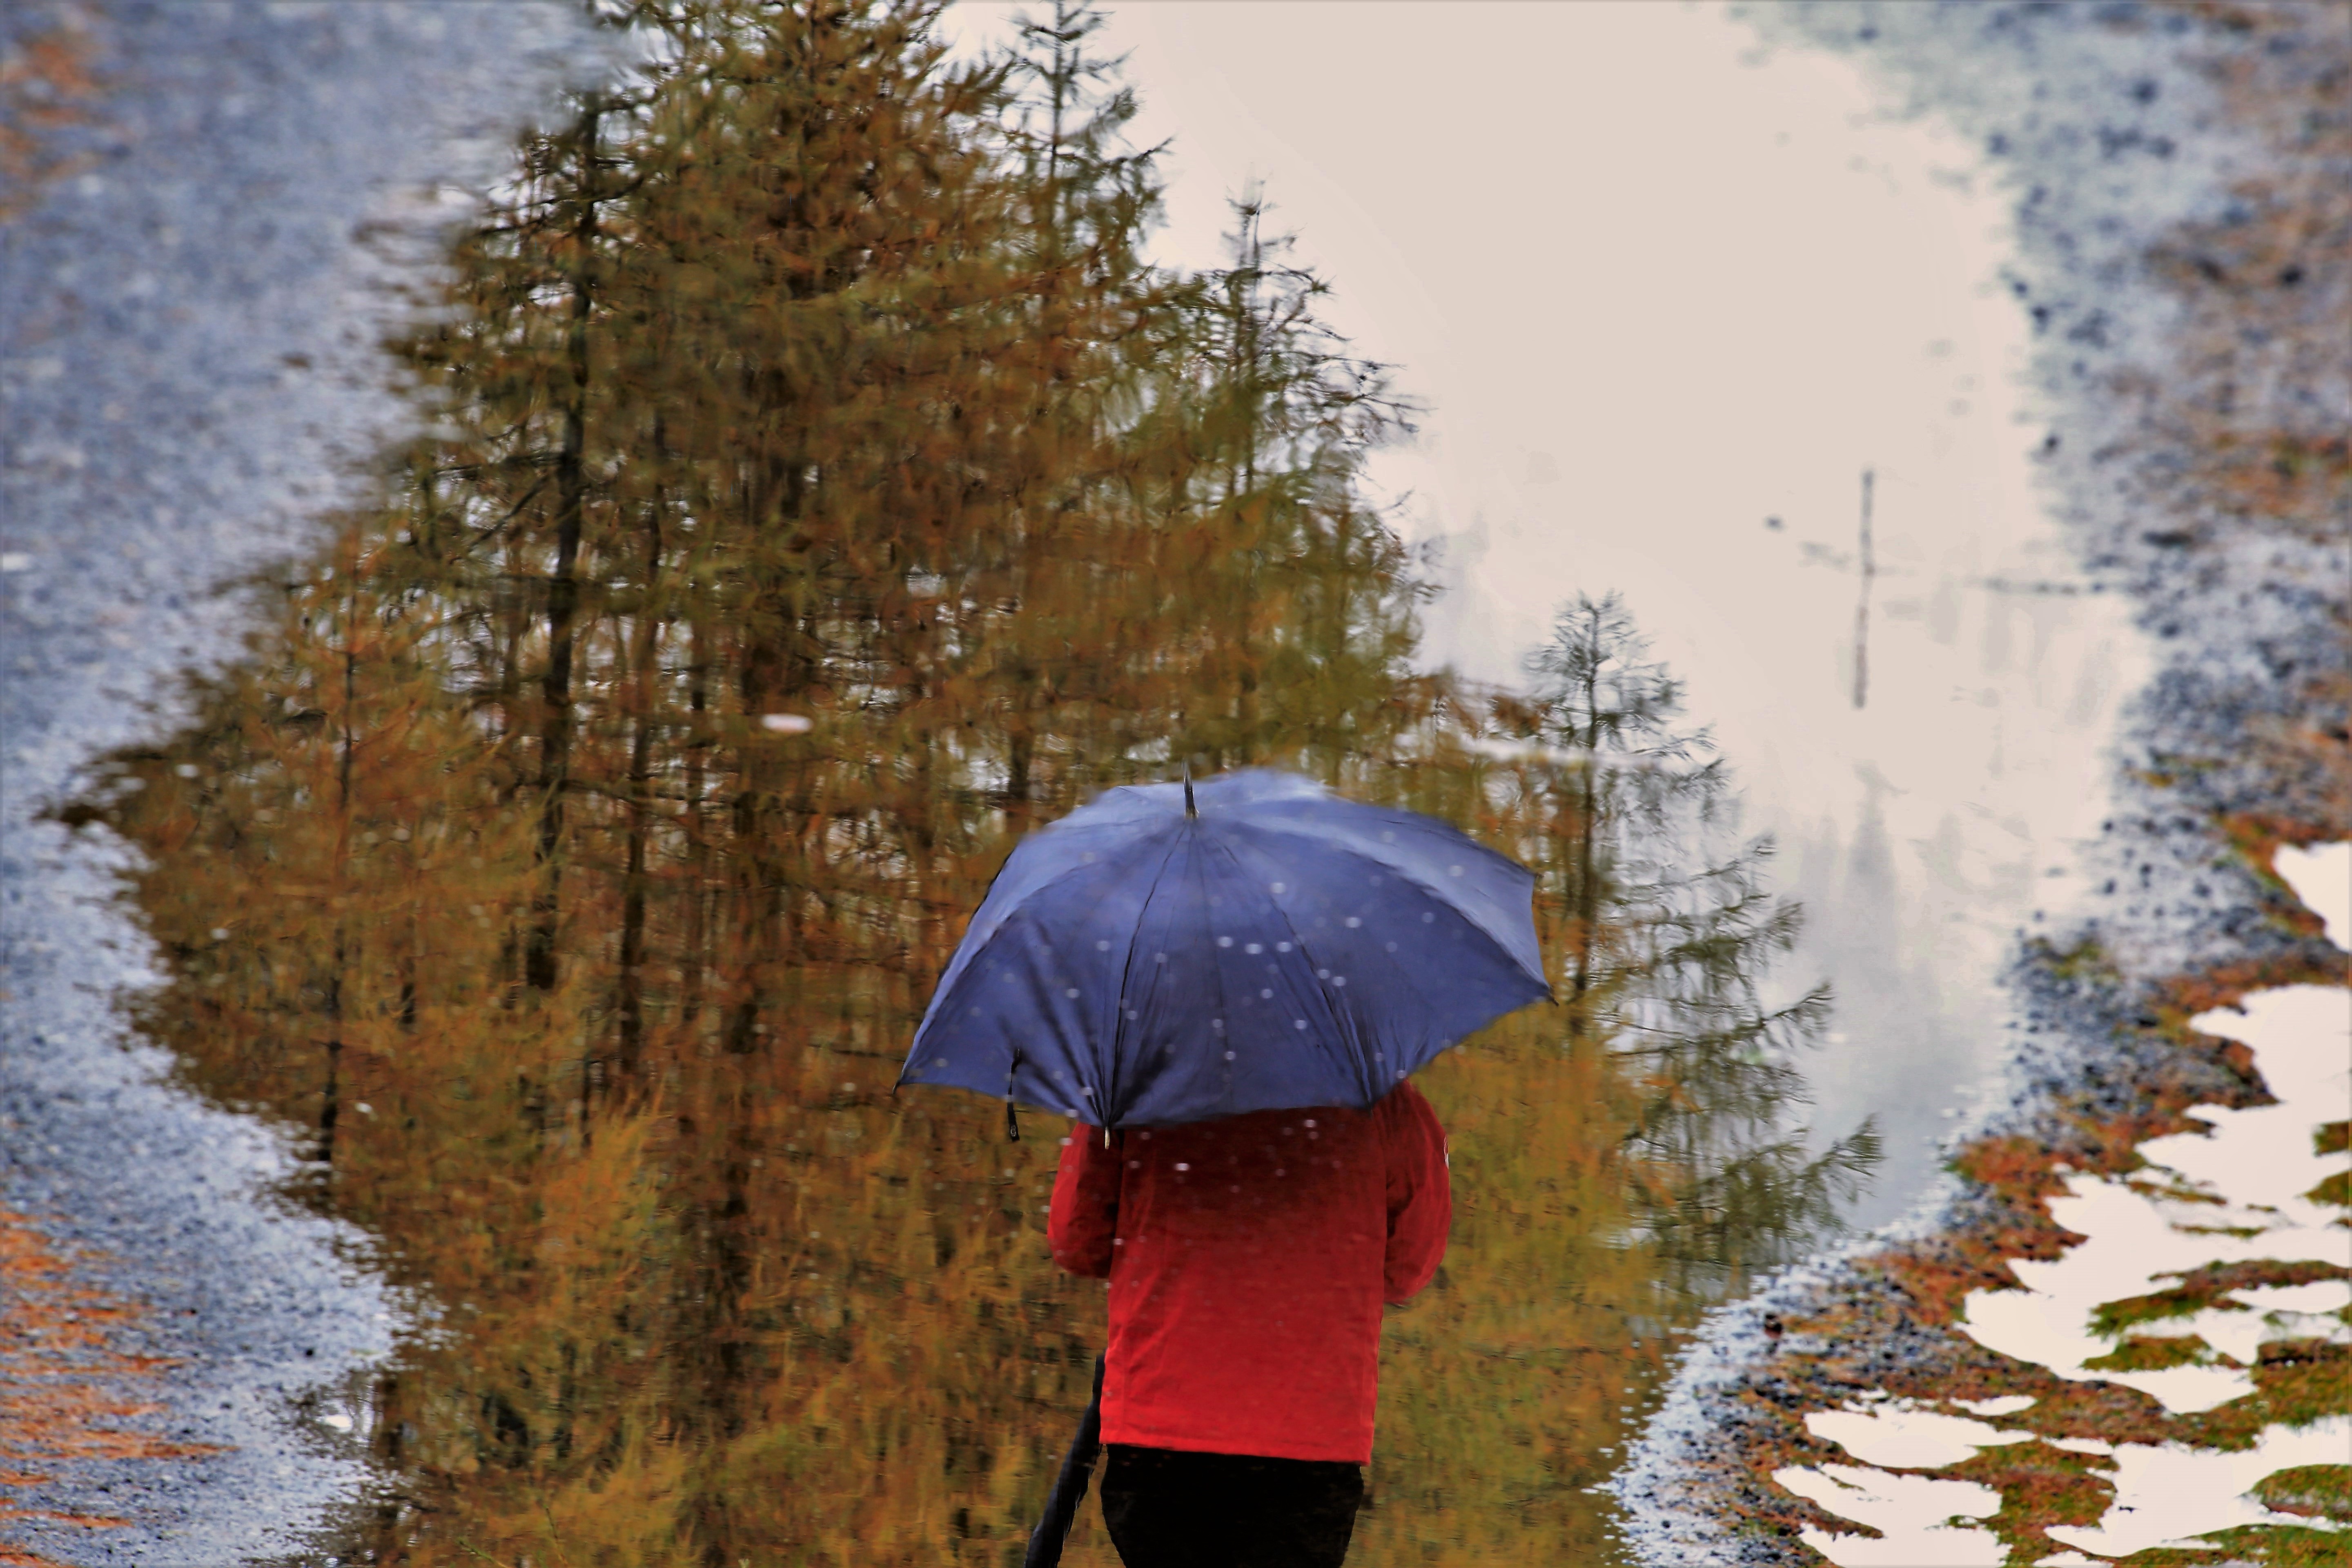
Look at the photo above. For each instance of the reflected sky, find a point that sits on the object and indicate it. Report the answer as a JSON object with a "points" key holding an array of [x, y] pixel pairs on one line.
{"points": [[1667, 293]]}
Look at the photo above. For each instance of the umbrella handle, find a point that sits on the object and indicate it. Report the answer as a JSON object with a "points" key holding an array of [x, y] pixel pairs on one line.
{"points": [[1070, 1487], [1011, 1127]]}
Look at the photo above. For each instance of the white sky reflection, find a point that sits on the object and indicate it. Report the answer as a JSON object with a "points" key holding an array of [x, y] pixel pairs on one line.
{"points": [[1658, 287]]}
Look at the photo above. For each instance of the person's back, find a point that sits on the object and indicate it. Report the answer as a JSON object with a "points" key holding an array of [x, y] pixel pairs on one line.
{"points": [[1248, 1259]]}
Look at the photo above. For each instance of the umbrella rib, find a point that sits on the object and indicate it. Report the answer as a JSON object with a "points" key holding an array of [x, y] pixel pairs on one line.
{"points": [[1405, 971], [968, 953], [1217, 975], [1101, 897], [1127, 970], [1435, 890], [1322, 988]]}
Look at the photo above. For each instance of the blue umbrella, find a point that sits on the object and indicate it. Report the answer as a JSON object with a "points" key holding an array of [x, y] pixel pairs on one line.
{"points": [[1167, 954]]}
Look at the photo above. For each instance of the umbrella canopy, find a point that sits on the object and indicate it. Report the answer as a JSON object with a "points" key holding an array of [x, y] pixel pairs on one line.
{"points": [[1136, 964]]}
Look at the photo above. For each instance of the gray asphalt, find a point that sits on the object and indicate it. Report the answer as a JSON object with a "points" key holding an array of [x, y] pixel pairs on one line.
{"points": [[189, 303]]}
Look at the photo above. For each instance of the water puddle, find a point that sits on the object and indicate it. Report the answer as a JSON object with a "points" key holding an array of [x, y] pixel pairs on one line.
{"points": [[2221, 1242], [598, 1089], [1914, 681]]}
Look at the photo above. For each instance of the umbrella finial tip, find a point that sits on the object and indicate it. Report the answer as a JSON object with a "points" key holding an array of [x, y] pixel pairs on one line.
{"points": [[1190, 809]]}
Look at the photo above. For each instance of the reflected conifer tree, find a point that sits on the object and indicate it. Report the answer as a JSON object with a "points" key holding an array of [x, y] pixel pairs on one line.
{"points": [[827, 491], [1672, 934]]}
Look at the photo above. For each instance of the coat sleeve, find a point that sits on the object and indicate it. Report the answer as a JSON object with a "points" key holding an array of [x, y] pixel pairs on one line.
{"points": [[1084, 1217], [1420, 1194]]}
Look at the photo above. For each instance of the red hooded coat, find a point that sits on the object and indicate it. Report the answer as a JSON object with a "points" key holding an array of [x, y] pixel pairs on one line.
{"points": [[1248, 1257]]}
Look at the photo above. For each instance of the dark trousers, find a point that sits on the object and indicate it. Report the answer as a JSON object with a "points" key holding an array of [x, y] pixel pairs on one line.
{"points": [[1168, 1509]]}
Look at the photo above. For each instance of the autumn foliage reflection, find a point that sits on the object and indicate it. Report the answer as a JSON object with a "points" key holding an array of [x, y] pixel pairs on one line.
{"points": [[827, 492]]}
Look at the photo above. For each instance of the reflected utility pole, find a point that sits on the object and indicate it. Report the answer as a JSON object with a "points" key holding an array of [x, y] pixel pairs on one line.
{"points": [[1868, 569]]}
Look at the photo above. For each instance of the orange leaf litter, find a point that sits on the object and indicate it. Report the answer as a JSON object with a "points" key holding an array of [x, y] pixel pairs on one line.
{"points": [[65, 1389]]}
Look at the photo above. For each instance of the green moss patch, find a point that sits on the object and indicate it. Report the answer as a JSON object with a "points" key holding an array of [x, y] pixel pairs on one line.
{"points": [[2303, 1380], [2143, 1352], [2180, 1301], [2274, 1545], [2201, 1289], [2039, 1486], [2322, 1491]]}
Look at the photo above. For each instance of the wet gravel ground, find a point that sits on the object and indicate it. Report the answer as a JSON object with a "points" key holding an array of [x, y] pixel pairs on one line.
{"points": [[2186, 278], [210, 216]]}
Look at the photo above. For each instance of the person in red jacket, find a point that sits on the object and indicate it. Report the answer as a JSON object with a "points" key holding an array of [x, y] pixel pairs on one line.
{"points": [[1248, 1259]]}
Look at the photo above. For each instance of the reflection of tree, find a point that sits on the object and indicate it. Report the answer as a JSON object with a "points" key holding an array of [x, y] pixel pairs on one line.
{"points": [[1671, 933], [875, 502], [1887, 940]]}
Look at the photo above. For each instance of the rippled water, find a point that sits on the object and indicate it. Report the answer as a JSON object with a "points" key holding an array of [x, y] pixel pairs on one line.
{"points": [[1682, 350], [1715, 282]]}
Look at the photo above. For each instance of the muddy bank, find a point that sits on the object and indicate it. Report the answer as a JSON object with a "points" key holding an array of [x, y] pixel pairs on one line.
{"points": [[213, 213], [2181, 226]]}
